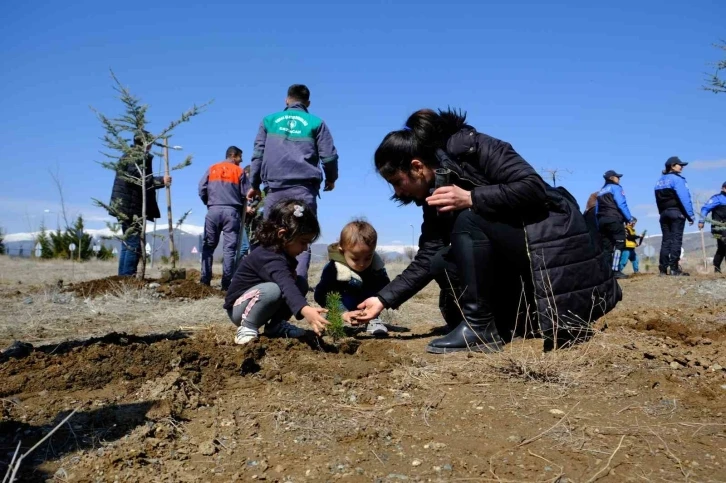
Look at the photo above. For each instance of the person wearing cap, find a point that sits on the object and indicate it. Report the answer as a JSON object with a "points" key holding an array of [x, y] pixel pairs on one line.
{"points": [[675, 207], [126, 199], [716, 205], [612, 212]]}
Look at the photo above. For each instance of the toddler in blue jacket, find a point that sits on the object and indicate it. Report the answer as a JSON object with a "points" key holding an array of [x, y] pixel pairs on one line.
{"points": [[355, 271]]}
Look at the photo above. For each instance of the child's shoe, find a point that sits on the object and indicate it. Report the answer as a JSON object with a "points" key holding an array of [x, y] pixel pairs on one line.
{"points": [[376, 328], [245, 335], [283, 328]]}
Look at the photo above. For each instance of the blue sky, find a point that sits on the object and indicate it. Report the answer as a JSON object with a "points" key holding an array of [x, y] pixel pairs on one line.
{"points": [[572, 85]]}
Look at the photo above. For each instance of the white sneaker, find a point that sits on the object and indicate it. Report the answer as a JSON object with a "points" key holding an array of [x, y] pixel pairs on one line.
{"points": [[376, 328], [245, 335], [283, 328]]}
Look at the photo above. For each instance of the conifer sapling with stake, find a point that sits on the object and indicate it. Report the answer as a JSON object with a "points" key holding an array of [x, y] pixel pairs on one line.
{"points": [[128, 160]]}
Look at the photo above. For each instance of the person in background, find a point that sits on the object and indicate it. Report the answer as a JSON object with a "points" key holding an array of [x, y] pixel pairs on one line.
{"points": [[126, 199], [221, 189], [612, 211], [290, 147], [716, 205], [591, 218], [632, 241], [250, 213], [675, 207]]}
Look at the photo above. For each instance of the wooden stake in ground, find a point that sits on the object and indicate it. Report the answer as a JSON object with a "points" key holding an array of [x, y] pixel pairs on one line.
{"points": [[703, 241], [172, 250]]}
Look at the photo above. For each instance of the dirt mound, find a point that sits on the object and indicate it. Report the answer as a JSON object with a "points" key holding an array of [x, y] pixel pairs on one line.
{"points": [[193, 274], [188, 289], [117, 358], [177, 289], [685, 332], [203, 361], [103, 286]]}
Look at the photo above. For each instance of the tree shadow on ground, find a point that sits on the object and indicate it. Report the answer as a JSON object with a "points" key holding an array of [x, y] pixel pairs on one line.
{"points": [[85, 430]]}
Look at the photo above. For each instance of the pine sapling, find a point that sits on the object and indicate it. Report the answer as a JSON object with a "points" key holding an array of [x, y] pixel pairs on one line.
{"points": [[336, 329]]}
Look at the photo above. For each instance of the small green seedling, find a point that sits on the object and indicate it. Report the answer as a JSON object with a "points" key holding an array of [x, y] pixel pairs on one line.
{"points": [[336, 329]]}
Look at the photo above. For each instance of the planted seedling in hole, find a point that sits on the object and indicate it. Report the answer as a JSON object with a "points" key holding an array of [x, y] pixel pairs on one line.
{"points": [[336, 329]]}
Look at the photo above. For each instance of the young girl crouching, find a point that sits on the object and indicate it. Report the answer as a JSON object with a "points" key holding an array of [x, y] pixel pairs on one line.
{"points": [[265, 289]]}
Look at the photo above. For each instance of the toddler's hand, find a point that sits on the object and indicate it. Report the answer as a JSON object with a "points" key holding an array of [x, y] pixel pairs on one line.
{"points": [[315, 318]]}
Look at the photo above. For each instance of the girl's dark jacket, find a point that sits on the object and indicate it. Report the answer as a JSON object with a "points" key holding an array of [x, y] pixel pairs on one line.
{"points": [[571, 275]]}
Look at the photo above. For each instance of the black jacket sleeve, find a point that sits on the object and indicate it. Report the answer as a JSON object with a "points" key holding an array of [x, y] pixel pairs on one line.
{"points": [[418, 274], [514, 185]]}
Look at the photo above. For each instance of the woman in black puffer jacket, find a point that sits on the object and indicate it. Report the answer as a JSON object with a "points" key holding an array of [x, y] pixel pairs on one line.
{"points": [[511, 254]]}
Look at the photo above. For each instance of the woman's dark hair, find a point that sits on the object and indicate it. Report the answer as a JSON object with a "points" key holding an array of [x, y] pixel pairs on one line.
{"points": [[294, 216], [425, 132]]}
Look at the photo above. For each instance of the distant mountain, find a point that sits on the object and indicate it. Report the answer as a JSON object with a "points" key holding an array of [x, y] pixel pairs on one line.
{"points": [[187, 238], [691, 245]]}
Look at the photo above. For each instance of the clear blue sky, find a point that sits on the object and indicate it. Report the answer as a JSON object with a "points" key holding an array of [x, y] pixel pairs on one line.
{"points": [[574, 85]]}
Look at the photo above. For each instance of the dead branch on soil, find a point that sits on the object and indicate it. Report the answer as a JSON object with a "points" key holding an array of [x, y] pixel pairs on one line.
{"points": [[670, 454], [535, 438], [562, 472], [12, 462], [606, 468], [16, 467]]}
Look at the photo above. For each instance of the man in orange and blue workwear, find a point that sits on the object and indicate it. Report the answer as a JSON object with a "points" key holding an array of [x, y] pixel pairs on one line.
{"points": [[223, 190]]}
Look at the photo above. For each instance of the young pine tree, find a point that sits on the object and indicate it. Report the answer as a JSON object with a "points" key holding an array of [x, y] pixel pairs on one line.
{"points": [[336, 329], [46, 247], [128, 159]]}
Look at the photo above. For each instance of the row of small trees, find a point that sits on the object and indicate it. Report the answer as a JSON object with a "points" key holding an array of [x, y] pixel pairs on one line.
{"points": [[57, 244]]}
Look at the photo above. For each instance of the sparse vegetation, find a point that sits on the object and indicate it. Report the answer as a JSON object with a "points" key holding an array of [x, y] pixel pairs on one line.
{"points": [[641, 400], [715, 82]]}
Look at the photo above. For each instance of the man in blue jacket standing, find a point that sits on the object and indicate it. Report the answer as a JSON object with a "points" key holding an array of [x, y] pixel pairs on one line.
{"points": [[675, 207], [716, 205], [289, 148], [612, 214]]}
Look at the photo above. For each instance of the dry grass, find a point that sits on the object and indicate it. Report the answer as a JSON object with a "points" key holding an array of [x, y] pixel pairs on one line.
{"points": [[30, 271], [46, 314], [577, 411]]}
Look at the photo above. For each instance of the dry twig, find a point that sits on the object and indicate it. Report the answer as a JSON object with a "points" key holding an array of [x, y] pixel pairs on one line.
{"points": [[597, 475], [24, 455]]}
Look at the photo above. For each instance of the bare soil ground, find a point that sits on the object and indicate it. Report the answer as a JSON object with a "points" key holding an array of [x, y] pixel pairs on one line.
{"points": [[162, 393]]}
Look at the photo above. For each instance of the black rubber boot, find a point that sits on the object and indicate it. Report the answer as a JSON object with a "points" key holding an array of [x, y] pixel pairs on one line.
{"points": [[478, 331], [450, 311], [620, 275], [469, 336]]}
